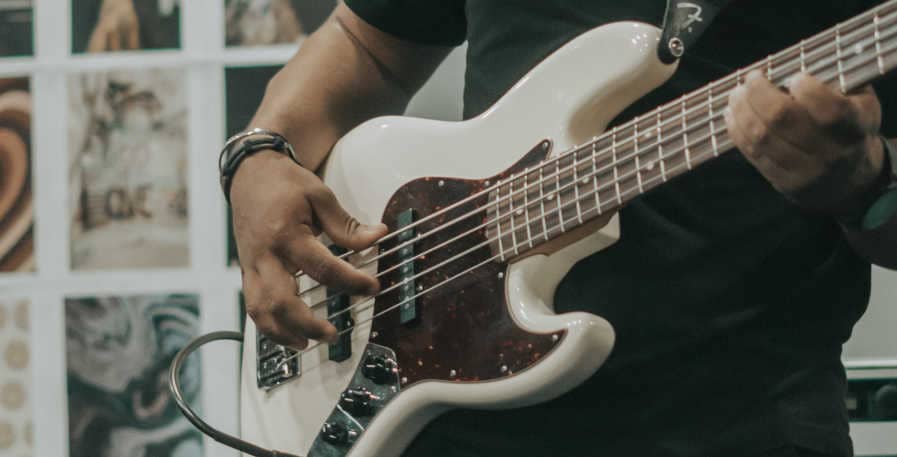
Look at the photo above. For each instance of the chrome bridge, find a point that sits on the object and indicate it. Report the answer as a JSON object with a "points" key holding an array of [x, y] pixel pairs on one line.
{"points": [[271, 371]]}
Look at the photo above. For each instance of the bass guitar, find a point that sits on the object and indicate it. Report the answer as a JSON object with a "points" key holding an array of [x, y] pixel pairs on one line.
{"points": [[486, 216]]}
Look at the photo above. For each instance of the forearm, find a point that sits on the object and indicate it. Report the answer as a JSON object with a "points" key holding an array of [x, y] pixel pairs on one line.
{"points": [[877, 241], [345, 73]]}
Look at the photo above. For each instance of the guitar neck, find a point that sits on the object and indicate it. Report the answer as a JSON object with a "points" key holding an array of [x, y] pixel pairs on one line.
{"points": [[601, 176]]}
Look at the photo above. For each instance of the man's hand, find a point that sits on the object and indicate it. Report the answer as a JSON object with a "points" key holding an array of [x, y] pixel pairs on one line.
{"points": [[117, 27], [818, 147], [279, 208]]}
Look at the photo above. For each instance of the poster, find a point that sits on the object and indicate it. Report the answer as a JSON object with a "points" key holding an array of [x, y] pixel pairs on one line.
{"points": [[16, 28], [16, 202], [118, 351], [268, 22], [244, 89], [16, 436], [128, 173], [122, 25]]}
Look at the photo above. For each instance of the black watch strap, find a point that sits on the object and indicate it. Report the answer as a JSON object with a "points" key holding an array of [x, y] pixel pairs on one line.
{"points": [[244, 144]]}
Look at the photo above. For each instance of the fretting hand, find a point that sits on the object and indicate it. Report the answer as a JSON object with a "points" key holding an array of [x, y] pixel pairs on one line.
{"points": [[815, 145]]}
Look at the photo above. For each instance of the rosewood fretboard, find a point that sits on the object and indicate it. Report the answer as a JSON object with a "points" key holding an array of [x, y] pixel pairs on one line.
{"points": [[565, 192]]}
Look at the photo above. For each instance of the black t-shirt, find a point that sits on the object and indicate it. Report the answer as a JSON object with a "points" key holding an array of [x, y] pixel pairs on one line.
{"points": [[730, 304]]}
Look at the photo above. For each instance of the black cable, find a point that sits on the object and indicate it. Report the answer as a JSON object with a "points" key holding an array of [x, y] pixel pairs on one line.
{"points": [[217, 435]]}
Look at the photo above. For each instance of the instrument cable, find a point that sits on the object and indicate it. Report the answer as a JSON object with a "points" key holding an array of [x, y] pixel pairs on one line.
{"points": [[175, 387]]}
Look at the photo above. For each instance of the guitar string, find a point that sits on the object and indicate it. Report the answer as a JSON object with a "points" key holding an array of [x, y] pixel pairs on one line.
{"points": [[726, 144], [562, 207], [814, 48], [528, 186], [575, 183]]}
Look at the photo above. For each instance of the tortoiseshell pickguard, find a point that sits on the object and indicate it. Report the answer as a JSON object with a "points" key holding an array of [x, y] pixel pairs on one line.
{"points": [[464, 331]]}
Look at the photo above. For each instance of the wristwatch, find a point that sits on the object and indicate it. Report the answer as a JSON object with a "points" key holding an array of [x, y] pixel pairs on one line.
{"points": [[244, 144]]}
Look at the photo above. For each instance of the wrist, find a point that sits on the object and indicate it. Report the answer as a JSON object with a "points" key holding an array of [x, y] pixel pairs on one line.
{"points": [[246, 145], [875, 202]]}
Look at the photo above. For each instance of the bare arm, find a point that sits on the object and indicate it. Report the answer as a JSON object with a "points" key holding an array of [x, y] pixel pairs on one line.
{"points": [[343, 74]]}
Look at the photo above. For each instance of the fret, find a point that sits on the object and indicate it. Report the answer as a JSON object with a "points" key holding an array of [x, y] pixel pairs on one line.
{"points": [[803, 57], [838, 55], [613, 150], [576, 185], [512, 215], [880, 60], [595, 175], [542, 199], [769, 67], [638, 167], [713, 141], [501, 249], [557, 184], [685, 136], [529, 233], [663, 164]]}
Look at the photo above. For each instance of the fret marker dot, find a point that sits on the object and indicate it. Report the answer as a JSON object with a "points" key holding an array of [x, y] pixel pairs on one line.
{"points": [[519, 212], [650, 165], [858, 48], [585, 180], [441, 183], [549, 197]]}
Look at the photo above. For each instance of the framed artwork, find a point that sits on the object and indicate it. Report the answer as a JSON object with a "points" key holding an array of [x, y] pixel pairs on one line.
{"points": [[244, 89], [118, 351], [16, 435], [268, 22], [16, 199], [128, 173], [16, 28], [117, 25]]}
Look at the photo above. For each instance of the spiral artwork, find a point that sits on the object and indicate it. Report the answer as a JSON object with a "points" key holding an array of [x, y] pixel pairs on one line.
{"points": [[16, 206], [118, 352]]}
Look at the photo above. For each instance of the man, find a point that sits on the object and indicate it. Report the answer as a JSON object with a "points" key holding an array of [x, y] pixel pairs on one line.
{"points": [[731, 290]]}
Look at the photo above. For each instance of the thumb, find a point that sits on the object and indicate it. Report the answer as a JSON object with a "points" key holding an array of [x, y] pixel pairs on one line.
{"points": [[340, 226]]}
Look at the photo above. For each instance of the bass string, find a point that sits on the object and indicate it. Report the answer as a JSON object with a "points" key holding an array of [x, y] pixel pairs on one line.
{"points": [[414, 297], [802, 46], [726, 141], [592, 192]]}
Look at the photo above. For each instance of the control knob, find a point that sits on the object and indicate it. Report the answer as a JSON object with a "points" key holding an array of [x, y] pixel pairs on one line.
{"points": [[357, 401], [337, 433], [381, 370]]}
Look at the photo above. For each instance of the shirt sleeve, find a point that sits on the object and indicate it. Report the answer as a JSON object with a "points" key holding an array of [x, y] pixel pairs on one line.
{"points": [[436, 22]]}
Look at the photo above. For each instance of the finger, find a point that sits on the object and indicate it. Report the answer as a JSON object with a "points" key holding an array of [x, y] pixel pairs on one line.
{"points": [[132, 36], [313, 258], [780, 112], [771, 170], [288, 310], [97, 41], [114, 40], [755, 136], [258, 309], [844, 119], [340, 226]]}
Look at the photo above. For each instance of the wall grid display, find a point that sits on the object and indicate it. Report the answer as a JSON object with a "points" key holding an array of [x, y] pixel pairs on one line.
{"points": [[110, 203], [112, 113]]}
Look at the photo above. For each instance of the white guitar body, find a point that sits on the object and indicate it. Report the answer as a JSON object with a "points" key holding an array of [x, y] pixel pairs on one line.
{"points": [[568, 98]]}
